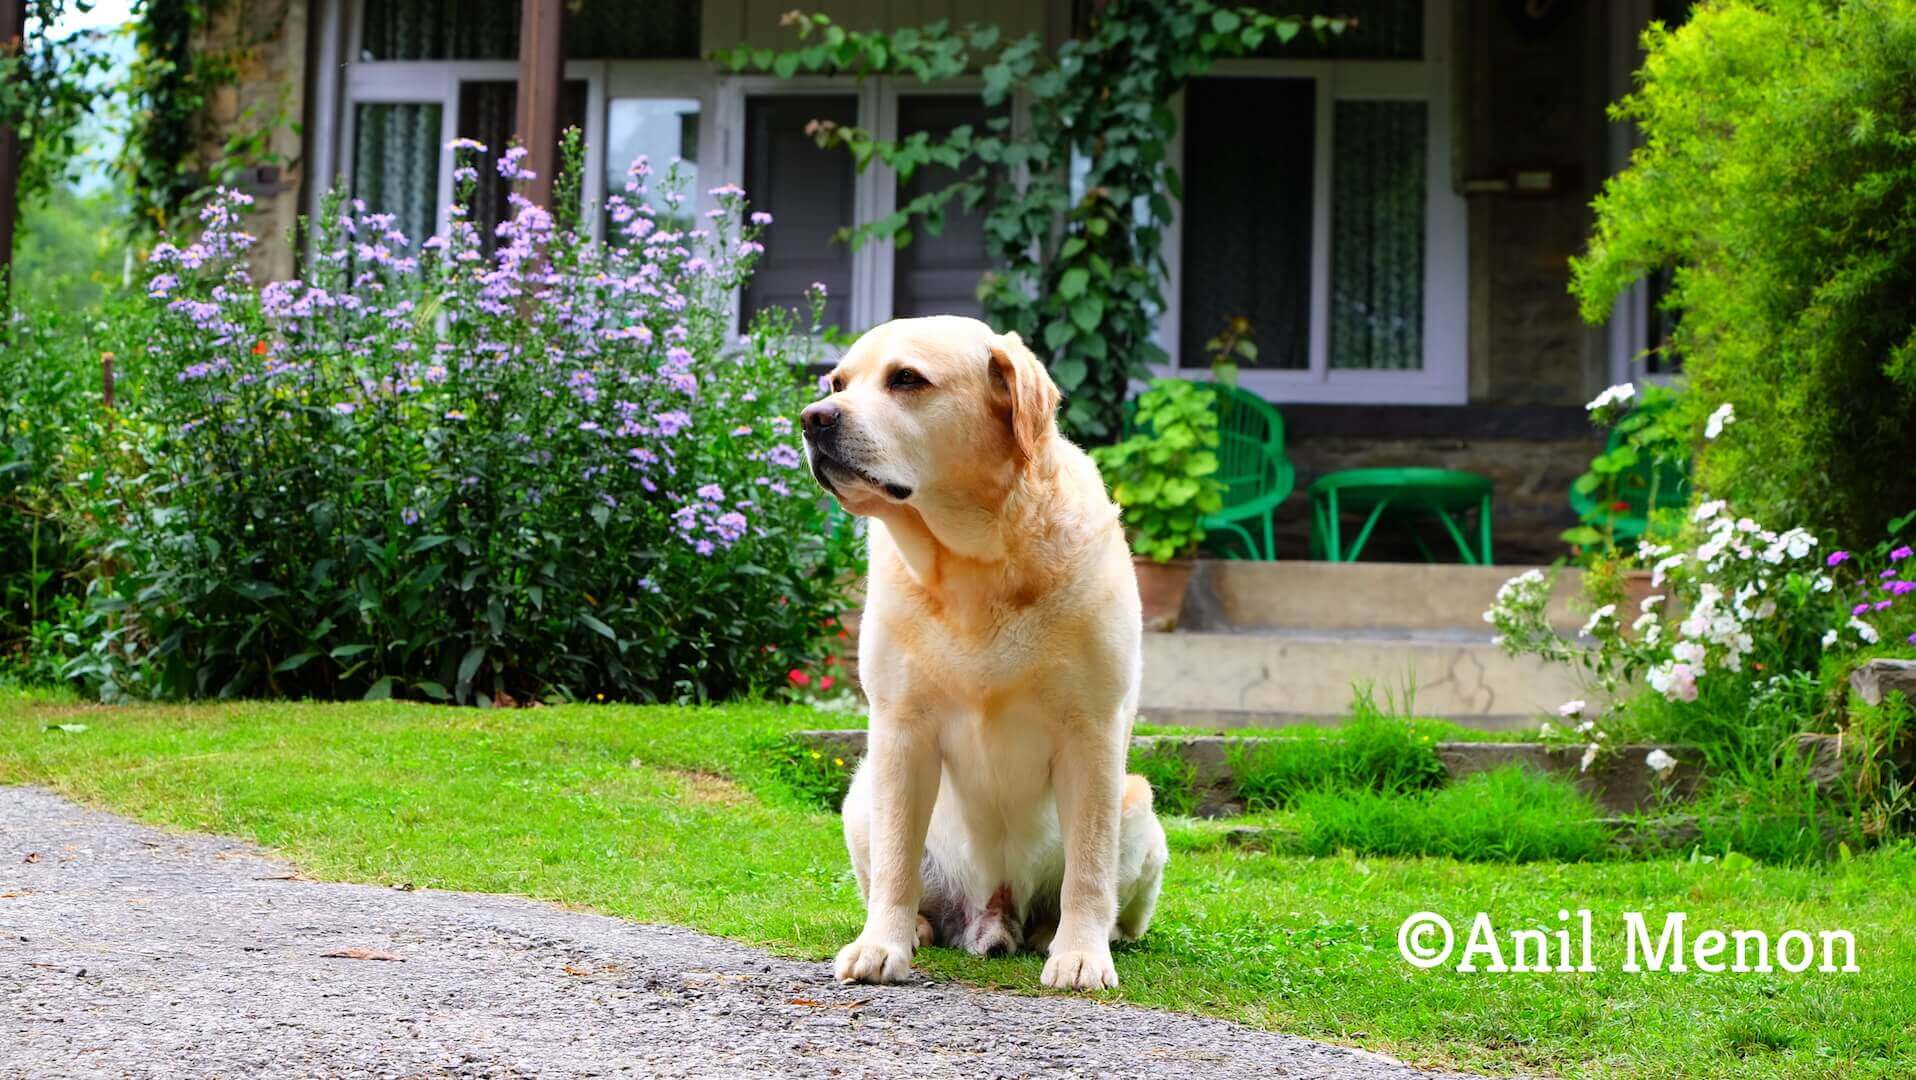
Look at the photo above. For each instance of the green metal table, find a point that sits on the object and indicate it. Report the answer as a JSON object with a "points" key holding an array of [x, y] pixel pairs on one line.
{"points": [[1399, 495]]}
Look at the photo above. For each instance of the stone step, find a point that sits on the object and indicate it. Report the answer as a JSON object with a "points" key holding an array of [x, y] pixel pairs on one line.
{"points": [[1242, 679], [1357, 597]]}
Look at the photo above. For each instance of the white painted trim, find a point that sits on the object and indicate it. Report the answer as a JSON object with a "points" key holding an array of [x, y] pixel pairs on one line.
{"points": [[1444, 377]]}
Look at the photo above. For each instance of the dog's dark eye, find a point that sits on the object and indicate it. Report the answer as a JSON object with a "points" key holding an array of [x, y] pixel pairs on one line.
{"points": [[838, 384], [905, 379]]}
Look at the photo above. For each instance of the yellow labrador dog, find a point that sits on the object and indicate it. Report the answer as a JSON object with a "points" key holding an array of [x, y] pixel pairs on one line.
{"points": [[1000, 651]]}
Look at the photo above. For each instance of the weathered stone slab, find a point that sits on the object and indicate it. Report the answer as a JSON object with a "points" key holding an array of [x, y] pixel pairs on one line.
{"points": [[1879, 677], [1620, 780]]}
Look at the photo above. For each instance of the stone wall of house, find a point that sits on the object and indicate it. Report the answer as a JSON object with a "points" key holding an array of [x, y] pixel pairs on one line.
{"points": [[262, 108]]}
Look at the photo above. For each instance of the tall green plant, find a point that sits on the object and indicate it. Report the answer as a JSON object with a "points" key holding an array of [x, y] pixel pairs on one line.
{"points": [[1778, 181], [1079, 266]]}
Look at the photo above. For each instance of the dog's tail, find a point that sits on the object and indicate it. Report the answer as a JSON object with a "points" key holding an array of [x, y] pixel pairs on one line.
{"points": [[1137, 795]]}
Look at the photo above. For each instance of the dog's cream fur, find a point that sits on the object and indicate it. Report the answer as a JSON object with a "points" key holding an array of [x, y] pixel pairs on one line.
{"points": [[1000, 652]]}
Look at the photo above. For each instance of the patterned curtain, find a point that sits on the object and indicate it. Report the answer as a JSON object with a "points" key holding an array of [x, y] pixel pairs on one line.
{"points": [[489, 30], [440, 30], [1378, 192], [396, 163]]}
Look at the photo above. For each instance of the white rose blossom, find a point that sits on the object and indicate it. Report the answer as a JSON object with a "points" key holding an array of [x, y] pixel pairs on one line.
{"points": [[1659, 761]]}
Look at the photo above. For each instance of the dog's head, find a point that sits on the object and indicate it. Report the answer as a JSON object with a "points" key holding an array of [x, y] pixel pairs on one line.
{"points": [[937, 409]]}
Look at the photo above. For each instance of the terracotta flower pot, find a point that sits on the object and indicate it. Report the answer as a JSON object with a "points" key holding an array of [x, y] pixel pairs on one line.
{"points": [[1161, 590]]}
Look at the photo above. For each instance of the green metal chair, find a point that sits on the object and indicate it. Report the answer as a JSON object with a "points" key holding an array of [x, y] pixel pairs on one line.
{"points": [[1646, 486], [1257, 476], [1399, 495]]}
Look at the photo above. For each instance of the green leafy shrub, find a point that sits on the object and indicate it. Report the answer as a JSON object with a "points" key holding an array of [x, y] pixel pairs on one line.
{"points": [[51, 382], [552, 470], [1778, 183], [1641, 476], [1164, 476]]}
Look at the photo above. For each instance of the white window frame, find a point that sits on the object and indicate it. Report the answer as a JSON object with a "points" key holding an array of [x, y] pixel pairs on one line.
{"points": [[437, 82], [1444, 377]]}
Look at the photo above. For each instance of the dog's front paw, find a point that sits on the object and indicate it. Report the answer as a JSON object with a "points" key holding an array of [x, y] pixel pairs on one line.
{"points": [[869, 961], [1081, 969]]}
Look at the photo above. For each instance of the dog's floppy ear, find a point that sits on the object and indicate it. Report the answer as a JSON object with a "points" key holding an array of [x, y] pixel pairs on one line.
{"points": [[1031, 398]]}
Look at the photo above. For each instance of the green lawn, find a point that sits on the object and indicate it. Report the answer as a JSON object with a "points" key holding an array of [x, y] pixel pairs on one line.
{"points": [[654, 814]]}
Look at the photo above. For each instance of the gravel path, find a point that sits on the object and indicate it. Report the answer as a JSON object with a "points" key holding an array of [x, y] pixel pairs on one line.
{"points": [[128, 951]]}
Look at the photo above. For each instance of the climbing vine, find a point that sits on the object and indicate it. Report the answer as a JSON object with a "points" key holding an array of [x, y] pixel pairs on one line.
{"points": [[176, 71], [1079, 269], [47, 89]]}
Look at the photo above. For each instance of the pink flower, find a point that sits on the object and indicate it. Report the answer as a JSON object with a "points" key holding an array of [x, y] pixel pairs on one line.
{"points": [[1901, 553], [1836, 558], [1859, 609]]}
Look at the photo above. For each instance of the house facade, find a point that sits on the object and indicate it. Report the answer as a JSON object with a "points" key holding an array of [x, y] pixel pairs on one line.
{"points": [[1393, 209]]}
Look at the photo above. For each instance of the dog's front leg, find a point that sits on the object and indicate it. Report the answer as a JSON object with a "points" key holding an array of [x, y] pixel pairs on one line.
{"points": [[903, 764], [1089, 779]]}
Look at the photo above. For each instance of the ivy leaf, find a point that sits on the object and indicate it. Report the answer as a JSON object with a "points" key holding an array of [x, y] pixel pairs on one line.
{"points": [[1224, 21], [1068, 372], [1071, 285], [1058, 334], [1087, 311]]}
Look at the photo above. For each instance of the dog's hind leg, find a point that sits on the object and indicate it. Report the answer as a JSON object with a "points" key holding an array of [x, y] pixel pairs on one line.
{"points": [[1141, 857]]}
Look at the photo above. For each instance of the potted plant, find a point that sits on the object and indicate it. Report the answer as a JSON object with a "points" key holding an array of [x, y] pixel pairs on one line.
{"points": [[1630, 501], [1164, 476]]}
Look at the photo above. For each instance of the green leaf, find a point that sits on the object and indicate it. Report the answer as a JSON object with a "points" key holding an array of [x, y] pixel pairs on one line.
{"points": [[1224, 20], [469, 664], [426, 543], [432, 690], [1087, 312], [786, 65], [1058, 334], [380, 690], [1071, 285], [294, 662], [594, 624], [345, 651], [1068, 372]]}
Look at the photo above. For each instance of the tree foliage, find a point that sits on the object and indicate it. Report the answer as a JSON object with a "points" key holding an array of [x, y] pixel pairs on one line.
{"points": [[1077, 192], [1778, 182]]}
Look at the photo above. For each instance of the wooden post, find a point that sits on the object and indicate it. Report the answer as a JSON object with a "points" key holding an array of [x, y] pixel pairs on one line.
{"points": [[13, 30], [541, 78]]}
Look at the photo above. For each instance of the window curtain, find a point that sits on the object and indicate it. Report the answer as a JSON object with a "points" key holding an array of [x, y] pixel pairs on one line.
{"points": [[440, 30], [1378, 194], [396, 164], [1249, 147], [489, 30]]}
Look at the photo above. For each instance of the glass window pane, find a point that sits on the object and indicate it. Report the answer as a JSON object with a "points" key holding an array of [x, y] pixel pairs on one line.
{"points": [[489, 30], [939, 275], [808, 192], [1378, 197], [396, 164], [1385, 30], [621, 30], [1248, 150], [489, 112], [661, 130], [440, 30]]}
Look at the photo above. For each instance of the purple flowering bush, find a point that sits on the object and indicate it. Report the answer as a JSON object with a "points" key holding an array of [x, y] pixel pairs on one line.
{"points": [[540, 468]]}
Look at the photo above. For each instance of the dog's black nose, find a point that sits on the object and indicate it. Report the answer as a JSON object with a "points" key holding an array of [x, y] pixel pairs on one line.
{"points": [[820, 419]]}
